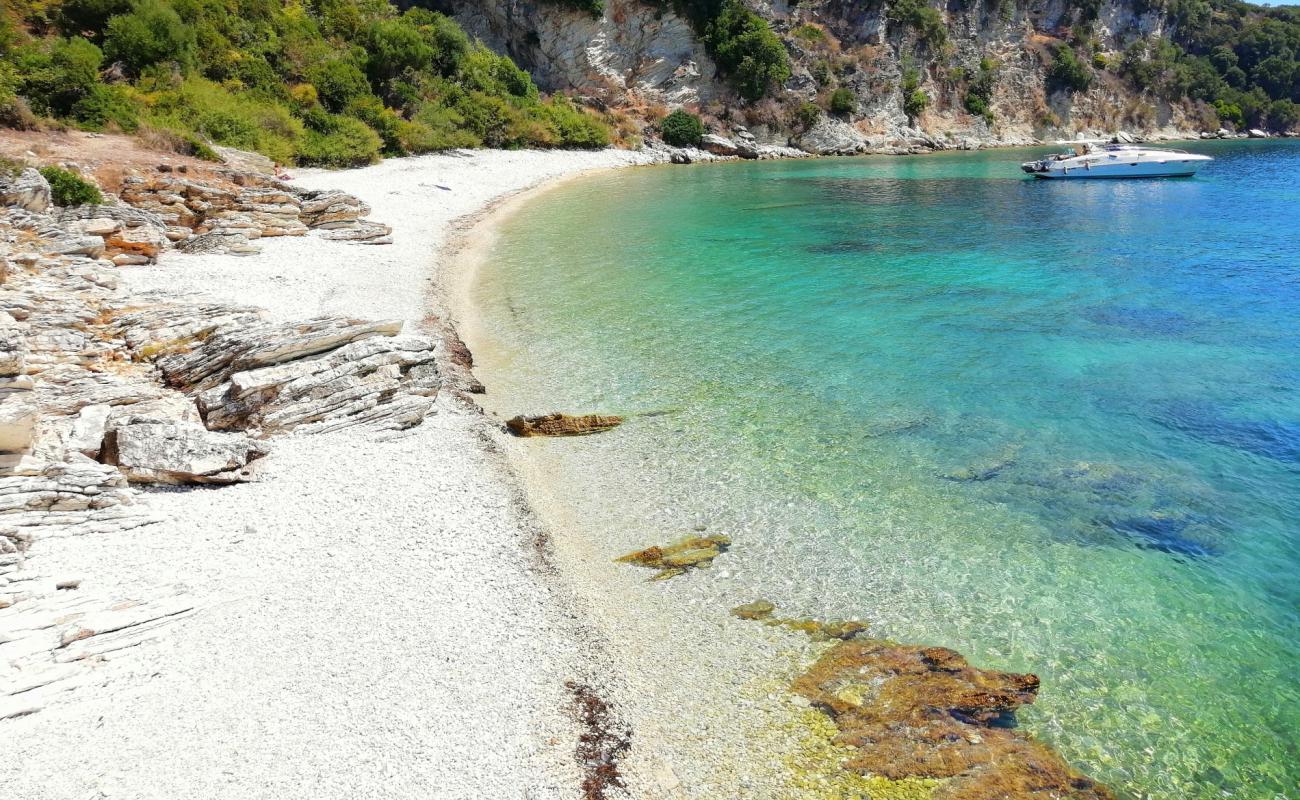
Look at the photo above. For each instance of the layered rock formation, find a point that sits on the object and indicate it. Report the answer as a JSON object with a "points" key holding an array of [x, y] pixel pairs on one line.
{"points": [[101, 391]]}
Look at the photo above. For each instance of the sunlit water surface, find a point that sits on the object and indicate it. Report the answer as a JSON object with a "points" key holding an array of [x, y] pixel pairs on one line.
{"points": [[1055, 426]]}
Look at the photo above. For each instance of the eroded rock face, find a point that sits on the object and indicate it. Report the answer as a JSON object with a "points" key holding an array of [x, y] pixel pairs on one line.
{"points": [[633, 49], [924, 712], [558, 424]]}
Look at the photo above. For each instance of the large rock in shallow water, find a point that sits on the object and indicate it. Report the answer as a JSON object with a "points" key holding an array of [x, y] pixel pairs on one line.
{"points": [[152, 452], [923, 712], [562, 424]]}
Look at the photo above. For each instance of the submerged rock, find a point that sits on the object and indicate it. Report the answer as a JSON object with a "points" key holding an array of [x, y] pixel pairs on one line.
{"points": [[924, 712], [693, 552], [985, 470], [817, 630], [759, 609], [558, 424]]}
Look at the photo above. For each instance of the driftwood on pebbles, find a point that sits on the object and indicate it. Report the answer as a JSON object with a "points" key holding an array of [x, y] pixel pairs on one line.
{"points": [[101, 391]]}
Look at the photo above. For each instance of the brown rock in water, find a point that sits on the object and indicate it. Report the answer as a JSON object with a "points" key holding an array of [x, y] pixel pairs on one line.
{"points": [[759, 609], [923, 712], [693, 552], [562, 424], [816, 629]]}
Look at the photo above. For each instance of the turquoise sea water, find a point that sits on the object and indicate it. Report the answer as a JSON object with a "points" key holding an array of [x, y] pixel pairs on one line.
{"points": [[1054, 425]]}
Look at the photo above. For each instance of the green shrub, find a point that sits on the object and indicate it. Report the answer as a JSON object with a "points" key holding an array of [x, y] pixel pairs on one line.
{"points": [[843, 101], [1284, 115], [394, 47], [241, 120], [741, 43], [105, 107], [979, 92], [481, 70], [78, 17], [339, 142], [681, 129], [69, 189], [151, 34], [1067, 72], [806, 116], [338, 83], [915, 101], [438, 127], [926, 21], [821, 72], [56, 74], [575, 127]]}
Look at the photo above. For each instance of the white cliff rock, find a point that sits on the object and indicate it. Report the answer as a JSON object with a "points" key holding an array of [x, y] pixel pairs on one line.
{"points": [[633, 49]]}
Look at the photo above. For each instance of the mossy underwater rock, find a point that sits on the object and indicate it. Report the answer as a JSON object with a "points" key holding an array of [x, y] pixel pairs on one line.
{"points": [[693, 552], [558, 424], [762, 610], [923, 712]]}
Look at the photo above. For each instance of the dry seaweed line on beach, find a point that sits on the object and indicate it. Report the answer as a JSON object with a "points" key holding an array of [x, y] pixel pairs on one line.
{"points": [[601, 743]]}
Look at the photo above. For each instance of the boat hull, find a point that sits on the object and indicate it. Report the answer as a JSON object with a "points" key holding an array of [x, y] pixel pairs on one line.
{"points": [[1154, 169]]}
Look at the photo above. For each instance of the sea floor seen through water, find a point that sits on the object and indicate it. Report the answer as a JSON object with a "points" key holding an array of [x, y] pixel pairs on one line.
{"points": [[1052, 425]]}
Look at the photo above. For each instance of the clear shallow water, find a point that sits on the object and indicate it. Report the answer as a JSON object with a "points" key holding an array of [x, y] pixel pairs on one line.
{"points": [[1055, 426]]}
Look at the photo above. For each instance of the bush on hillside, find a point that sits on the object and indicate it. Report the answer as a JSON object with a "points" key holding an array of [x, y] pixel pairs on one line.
{"points": [[915, 101], [843, 101], [806, 116], [1067, 72], [152, 33], [338, 83], [926, 21], [746, 49], [55, 74], [338, 141], [681, 129], [69, 189]]}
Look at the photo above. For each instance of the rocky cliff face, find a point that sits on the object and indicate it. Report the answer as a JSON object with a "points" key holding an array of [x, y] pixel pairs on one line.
{"points": [[637, 53]]}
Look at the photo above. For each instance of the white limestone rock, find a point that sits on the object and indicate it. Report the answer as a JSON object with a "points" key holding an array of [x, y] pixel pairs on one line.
{"points": [[27, 190], [150, 452]]}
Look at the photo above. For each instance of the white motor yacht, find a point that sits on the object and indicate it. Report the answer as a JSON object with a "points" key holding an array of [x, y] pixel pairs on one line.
{"points": [[1089, 160]]}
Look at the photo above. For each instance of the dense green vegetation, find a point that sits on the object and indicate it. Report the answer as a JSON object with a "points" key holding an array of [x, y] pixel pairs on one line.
{"points": [[68, 189], [979, 91], [332, 82], [681, 129], [1241, 60], [915, 100], [741, 43], [1067, 72], [922, 18]]}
